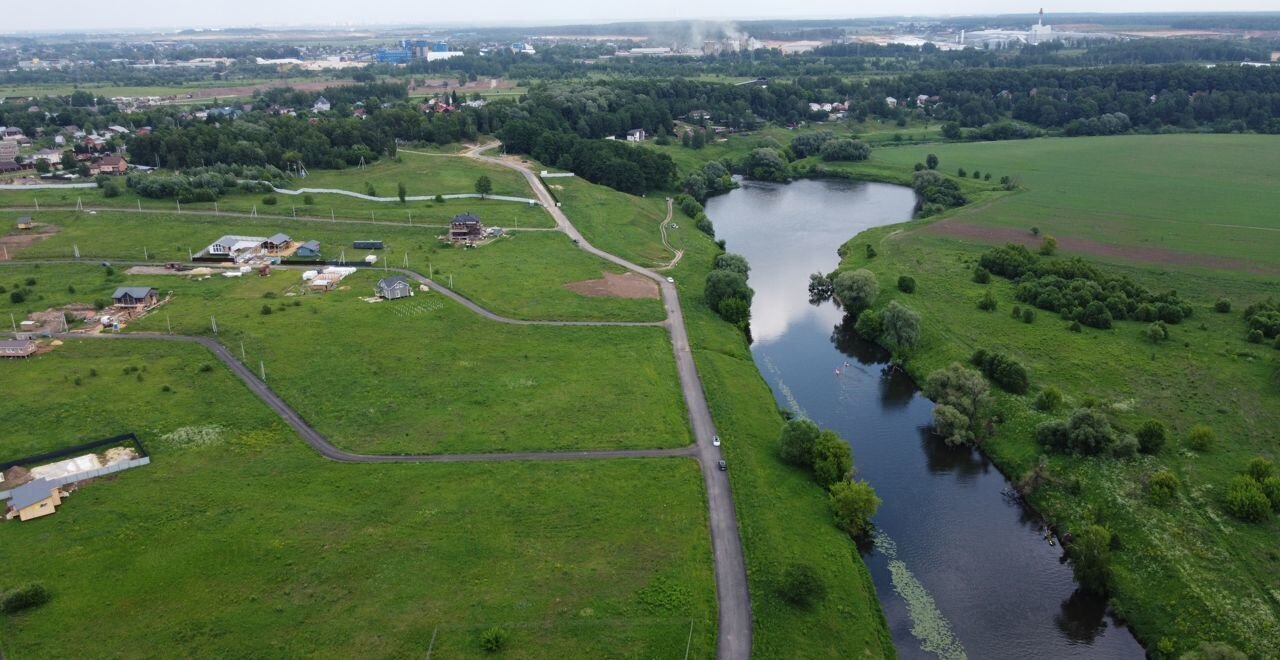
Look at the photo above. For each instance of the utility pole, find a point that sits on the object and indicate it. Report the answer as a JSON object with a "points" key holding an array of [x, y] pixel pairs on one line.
{"points": [[37, 203], [215, 207], [179, 205], [332, 218], [76, 250], [168, 324], [145, 256], [139, 206], [262, 366], [242, 356], [13, 323], [451, 281]]}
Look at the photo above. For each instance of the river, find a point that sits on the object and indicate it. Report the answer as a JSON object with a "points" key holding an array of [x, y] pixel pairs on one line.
{"points": [[961, 570]]}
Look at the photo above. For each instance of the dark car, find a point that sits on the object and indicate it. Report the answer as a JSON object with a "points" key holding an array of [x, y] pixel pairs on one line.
{"points": [[723, 465]]}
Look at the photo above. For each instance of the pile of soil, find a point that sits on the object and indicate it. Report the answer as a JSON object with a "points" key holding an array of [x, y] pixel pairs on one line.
{"points": [[628, 285]]}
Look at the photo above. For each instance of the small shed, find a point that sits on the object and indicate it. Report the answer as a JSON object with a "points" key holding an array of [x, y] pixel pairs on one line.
{"points": [[34, 499], [367, 245], [393, 287], [135, 296], [25, 222], [308, 249], [16, 348]]}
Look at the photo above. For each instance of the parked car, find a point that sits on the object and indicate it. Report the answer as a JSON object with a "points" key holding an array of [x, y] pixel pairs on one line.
{"points": [[715, 441], [671, 280], [723, 465]]}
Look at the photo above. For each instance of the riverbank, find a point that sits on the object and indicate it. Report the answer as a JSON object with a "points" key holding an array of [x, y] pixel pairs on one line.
{"points": [[1184, 572]]}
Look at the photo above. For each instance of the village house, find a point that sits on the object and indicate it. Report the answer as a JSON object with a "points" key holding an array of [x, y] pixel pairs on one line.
{"points": [[321, 105], [231, 245], [465, 227], [277, 243], [33, 499], [8, 150], [308, 249], [891, 102], [113, 165], [636, 135], [16, 348], [25, 222], [135, 296], [391, 288]]}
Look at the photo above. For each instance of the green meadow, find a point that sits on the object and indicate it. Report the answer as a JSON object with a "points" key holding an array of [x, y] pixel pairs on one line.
{"points": [[239, 541], [421, 175], [1191, 213]]}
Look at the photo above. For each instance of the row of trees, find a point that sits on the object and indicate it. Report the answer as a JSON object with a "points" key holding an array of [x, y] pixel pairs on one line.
{"points": [[830, 460]]}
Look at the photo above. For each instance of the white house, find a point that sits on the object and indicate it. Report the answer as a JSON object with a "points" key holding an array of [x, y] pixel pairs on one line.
{"points": [[635, 135], [321, 105], [231, 244], [891, 102]]}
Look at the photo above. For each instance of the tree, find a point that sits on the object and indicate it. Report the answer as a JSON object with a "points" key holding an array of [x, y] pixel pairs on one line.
{"points": [[401, 192], [733, 262], [1048, 399], [868, 326], [1156, 332], [931, 162], [987, 302], [832, 459], [820, 288], [42, 166], [797, 441], [901, 328], [850, 150], [951, 130], [766, 165], [483, 185], [1260, 469], [960, 388], [725, 284], [1151, 437], [1214, 651], [1246, 500], [951, 425], [1048, 246], [1091, 558], [802, 586], [1085, 433], [736, 311], [1222, 306], [981, 275], [68, 160], [1162, 487], [906, 284], [856, 290], [853, 504]]}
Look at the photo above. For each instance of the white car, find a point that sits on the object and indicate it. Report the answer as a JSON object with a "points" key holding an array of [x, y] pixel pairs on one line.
{"points": [[671, 280], [715, 441]]}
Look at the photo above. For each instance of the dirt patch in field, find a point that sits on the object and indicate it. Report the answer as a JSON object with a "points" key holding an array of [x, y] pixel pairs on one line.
{"points": [[24, 238], [1107, 250], [629, 285]]}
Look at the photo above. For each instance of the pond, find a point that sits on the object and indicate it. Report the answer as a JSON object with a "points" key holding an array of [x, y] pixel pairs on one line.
{"points": [[962, 569]]}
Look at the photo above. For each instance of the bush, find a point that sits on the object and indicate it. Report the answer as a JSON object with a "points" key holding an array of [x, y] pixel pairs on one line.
{"points": [[1271, 488], [1223, 306], [906, 284], [981, 275], [900, 328], [797, 442], [1126, 446], [703, 224], [1048, 400], [1028, 315], [17, 297], [1162, 487], [856, 290], [1151, 436], [722, 285], [868, 326], [309, 199], [1260, 469], [1256, 337], [1201, 438], [1214, 651], [266, 310], [952, 425], [802, 586], [1156, 332], [853, 503], [1086, 432], [110, 189], [25, 597], [1049, 246], [832, 459], [732, 262], [1246, 500], [1002, 370], [1075, 327], [844, 149], [493, 640], [270, 200], [871, 251], [987, 302]]}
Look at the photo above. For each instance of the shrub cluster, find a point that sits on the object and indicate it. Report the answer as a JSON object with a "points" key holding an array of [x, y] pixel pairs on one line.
{"points": [[24, 597], [962, 397], [1081, 292], [1263, 319], [1002, 370], [727, 292], [853, 502], [937, 193], [1087, 432]]}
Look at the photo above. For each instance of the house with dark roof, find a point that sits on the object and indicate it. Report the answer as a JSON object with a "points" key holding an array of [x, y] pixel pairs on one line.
{"points": [[277, 243], [16, 348], [114, 165], [308, 249], [465, 227], [25, 222], [396, 286], [135, 296], [34, 499]]}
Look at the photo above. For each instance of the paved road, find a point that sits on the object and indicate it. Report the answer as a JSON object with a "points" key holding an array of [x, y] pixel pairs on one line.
{"points": [[734, 600], [327, 449]]}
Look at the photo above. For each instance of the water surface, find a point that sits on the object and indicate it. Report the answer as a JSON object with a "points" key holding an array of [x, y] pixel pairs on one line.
{"points": [[957, 560]]}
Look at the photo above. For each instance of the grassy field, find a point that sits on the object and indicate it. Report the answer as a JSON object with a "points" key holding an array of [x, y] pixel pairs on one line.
{"points": [[1185, 572], [421, 175], [238, 541], [444, 380], [782, 515], [521, 275]]}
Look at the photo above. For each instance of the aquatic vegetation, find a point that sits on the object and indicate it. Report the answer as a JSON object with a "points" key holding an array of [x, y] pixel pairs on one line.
{"points": [[927, 622]]}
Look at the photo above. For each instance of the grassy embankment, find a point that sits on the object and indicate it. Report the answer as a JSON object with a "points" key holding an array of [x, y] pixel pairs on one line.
{"points": [[239, 541], [422, 375], [521, 275], [782, 514], [1189, 213]]}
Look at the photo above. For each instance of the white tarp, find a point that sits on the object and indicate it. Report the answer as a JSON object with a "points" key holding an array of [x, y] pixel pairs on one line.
{"points": [[68, 467]]}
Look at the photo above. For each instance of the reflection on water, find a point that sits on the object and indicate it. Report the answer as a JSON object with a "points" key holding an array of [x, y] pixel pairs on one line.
{"points": [[965, 555]]}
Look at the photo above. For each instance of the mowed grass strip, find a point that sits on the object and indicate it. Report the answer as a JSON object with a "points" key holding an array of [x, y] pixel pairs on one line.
{"points": [[623, 225], [522, 275], [421, 175], [239, 541], [426, 375]]}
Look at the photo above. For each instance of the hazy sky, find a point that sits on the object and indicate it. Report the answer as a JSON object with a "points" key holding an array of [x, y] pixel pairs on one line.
{"points": [[83, 14]]}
